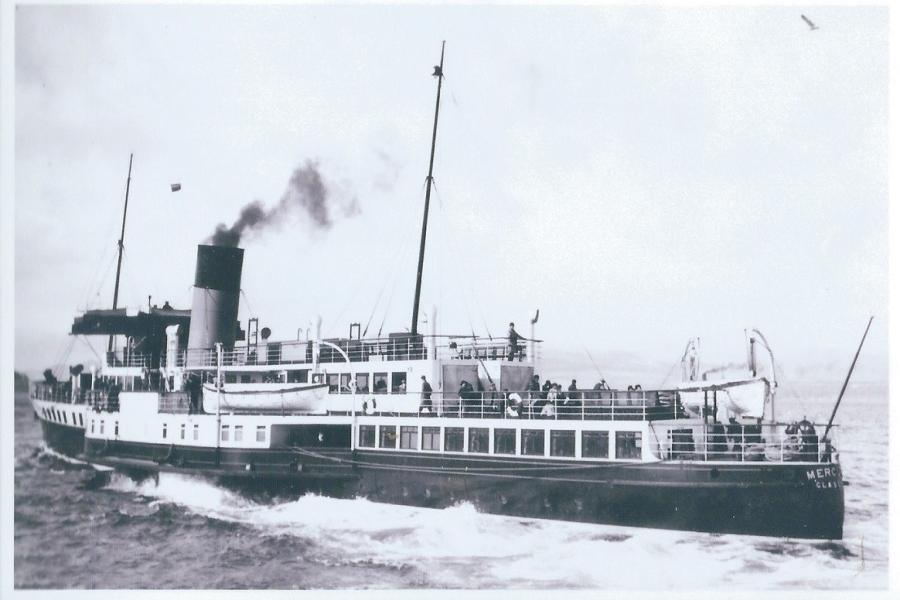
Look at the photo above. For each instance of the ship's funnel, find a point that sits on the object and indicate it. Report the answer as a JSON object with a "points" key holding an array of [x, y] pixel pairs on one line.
{"points": [[217, 287]]}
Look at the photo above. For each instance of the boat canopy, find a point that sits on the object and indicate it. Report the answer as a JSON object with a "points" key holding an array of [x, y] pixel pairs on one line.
{"points": [[118, 322]]}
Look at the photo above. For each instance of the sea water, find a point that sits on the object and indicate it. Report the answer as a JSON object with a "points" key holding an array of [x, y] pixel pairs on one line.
{"points": [[184, 532]]}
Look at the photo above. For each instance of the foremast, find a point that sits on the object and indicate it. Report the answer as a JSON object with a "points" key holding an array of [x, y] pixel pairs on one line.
{"points": [[439, 73]]}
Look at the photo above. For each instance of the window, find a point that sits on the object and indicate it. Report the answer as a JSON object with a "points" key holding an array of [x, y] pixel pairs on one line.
{"points": [[116, 429], [225, 435], [80, 420], [595, 444], [533, 442], [504, 441], [230, 378], [260, 433], [73, 419], [164, 429], [238, 433], [628, 444], [102, 423], [298, 376], [246, 378], [562, 443], [366, 436], [333, 383], [388, 436], [453, 439], [379, 383], [431, 438], [92, 426], [409, 437], [196, 432], [478, 439], [65, 418], [345, 383], [182, 430], [362, 383], [398, 383]]}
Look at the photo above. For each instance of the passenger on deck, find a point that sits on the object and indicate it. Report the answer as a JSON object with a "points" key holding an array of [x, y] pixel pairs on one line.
{"points": [[545, 389], [573, 394], [534, 387], [425, 405], [514, 339], [513, 403]]}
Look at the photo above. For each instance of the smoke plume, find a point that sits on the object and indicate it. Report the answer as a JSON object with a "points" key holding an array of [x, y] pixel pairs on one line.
{"points": [[306, 193]]}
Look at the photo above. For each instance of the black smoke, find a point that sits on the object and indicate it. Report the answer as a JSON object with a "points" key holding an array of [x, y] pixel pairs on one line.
{"points": [[307, 192]]}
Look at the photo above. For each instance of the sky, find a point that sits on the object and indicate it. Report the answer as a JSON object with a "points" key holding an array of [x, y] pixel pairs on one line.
{"points": [[641, 175]]}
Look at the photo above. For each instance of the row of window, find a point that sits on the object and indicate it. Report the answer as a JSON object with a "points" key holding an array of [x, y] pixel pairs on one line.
{"points": [[341, 383], [226, 432], [60, 416], [594, 444], [239, 433], [103, 426]]}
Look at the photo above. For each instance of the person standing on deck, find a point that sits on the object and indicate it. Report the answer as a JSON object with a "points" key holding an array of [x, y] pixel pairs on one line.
{"points": [[425, 405], [514, 339]]}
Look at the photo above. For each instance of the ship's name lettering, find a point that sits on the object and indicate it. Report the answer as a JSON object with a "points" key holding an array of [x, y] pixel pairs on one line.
{"points": [[829, 473]]}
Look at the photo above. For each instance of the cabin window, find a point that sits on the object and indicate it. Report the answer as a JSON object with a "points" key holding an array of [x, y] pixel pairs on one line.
{"points": [[533, 442], [453, 439], [65, 418], [379, 383], [225, 433], [164, 429], [73, 419], [479, 438], [92, 426], [504, 441], [345, 383], [102, 424], [230, 378], [562, 443], [367, 436], [246, 378], [182, 430], [595, 444], [628, 444], [116, 429], [398, 383], [431, 438], [239, 433], [298, 376], [333, 383], [362, 383], [196, 432], [80, 420], [260, 433], [388, 437], [409, 437]]}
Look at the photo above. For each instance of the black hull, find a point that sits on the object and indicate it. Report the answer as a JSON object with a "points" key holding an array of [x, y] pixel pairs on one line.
{"points": [[64, 439], [756, 498]]}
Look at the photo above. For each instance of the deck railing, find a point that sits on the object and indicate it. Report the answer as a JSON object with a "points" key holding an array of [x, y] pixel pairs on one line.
{"points": [[768, 442], [339, 351], [601, 405]]}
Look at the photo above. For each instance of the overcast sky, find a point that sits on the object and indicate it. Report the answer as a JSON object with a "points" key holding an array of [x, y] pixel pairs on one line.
{"points": [[641, 175]]}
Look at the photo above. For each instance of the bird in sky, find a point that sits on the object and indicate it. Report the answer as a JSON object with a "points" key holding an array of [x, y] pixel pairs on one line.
{"points": [[812, 26]]}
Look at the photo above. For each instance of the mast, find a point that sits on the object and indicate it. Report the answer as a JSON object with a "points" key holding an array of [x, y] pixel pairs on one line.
{"points": [[121, 247], [439, 73]]}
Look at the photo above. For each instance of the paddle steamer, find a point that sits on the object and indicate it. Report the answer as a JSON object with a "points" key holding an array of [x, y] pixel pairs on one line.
{"points": [[194, 392]]}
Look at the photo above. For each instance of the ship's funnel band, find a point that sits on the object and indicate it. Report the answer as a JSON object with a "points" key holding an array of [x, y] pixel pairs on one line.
{"points": [[219, 268]]}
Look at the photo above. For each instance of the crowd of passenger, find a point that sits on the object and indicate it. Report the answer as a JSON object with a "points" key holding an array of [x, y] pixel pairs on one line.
{"points": [[547, 400]]}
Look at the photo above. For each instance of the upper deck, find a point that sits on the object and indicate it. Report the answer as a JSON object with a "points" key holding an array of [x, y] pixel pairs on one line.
{"points": [[280, 354]]}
